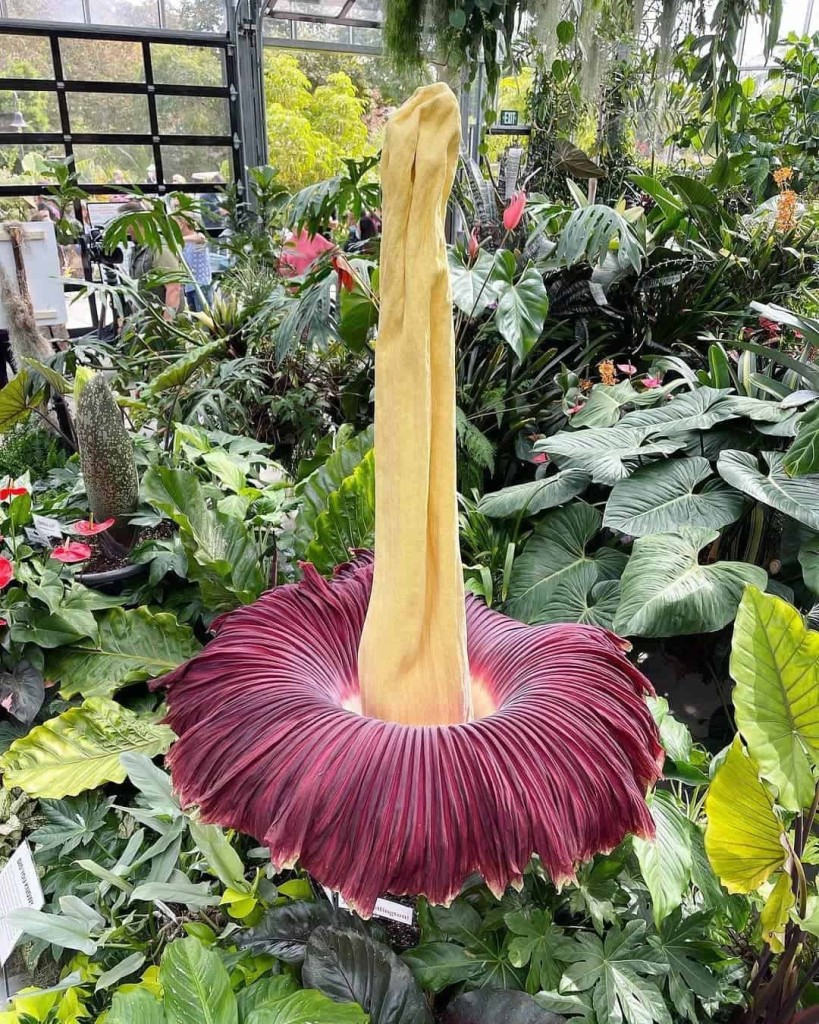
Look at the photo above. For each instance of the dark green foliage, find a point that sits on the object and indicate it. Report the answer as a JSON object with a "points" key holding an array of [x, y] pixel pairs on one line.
{"points": [[27, 448]]}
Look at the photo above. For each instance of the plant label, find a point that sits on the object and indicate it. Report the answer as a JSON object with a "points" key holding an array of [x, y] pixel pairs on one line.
{"points": [[383, 908], [47, 528], [34, 537], [19, 890]]}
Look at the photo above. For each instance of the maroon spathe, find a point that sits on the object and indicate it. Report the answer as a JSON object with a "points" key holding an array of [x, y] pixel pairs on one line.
{"points": [[270, 744]]}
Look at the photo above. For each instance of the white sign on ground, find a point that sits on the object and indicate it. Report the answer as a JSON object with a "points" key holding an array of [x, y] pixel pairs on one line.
{"points": [[19, 890]]}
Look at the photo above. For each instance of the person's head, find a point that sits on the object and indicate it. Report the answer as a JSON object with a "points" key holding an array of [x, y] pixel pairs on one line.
{"points": [[178, 179], [366, 227], [351, 219], [118, 178]]}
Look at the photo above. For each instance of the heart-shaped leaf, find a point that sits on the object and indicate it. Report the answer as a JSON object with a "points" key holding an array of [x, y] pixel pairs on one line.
{"points": [[522, 304], [797, 497], [609, 454], [534, 496], [663, 497], [666, 592]]}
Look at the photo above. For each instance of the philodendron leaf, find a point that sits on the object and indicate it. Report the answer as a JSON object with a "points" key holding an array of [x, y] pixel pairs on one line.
{"points": [[667, 495], [608, 454], [350, 967], [534, 496], [554, 578], [196, 985], [283, 931], [307, 1007], [131, 646], [666, 861], [22, 691], [666, 592], [809, 560], [803, 455], [522, 304], [472, 288], [744, 839], [775, 664], [602, 408], [491, 1006], [81, 749], [797, 497]]}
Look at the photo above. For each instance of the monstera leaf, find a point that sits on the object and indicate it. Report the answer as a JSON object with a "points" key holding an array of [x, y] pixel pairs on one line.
{"points": [[744, 838], [797, 497], [608, 454], [666, 592], [554, 580], [130, 646], [663, 497], [81, 749], [535, 496], [590, 234], [775, 664]]}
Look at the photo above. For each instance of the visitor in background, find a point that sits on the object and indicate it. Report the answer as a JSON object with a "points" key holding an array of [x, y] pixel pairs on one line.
{"points": [[367, 227], [143, 260], [353, 235], [196, 254]]}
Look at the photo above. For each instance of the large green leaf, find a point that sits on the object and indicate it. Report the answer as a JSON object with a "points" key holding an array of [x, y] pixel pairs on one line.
{"points": [[775, 664], [681, 944], [493, 1006], [473, 288], [196, 985], [744, 838], [609, 454], [592, 231], [663, 497], [796, 497], [809, 560], [350, 967], [541, 945], [666, 861], [81, 749], [348, 521], [522, 304], [693, 410], [184, 368], [602, 408], [137, 1006], [534, 496], [618, 970], [666, 592], [130, 646], [316, 489], [803, 455], [307, 1007], [553, 579], [265, 993], [17, 400]]}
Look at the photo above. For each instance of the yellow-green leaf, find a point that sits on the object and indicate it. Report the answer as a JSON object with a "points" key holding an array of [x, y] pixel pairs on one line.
{"points": [[744, 837], [775, 664], [81, 749], [776, 911]]}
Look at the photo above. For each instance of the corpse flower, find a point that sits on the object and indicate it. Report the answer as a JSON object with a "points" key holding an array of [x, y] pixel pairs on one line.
{"points": [[380, 728]]}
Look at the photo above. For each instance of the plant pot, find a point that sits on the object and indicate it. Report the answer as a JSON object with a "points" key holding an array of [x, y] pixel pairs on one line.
{"points": [[111, 581]]}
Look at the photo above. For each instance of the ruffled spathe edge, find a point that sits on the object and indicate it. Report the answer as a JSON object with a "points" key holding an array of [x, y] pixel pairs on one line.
{"points": [[269, 744]]}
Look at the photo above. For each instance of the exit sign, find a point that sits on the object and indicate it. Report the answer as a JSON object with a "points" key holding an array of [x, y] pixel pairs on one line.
{"points": [[508, 118]]}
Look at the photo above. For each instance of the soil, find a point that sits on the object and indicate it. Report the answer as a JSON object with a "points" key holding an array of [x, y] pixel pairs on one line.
{"points": [[402, 936], [103, 561]]}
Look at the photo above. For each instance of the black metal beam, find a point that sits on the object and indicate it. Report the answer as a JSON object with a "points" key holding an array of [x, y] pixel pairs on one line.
{"points": [[12, 26], [110, 139], [148, 188], [120, 88], [322, 19]]}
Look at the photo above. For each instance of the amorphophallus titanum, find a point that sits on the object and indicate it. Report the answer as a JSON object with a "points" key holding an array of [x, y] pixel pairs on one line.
{"points": [[380, 728]]}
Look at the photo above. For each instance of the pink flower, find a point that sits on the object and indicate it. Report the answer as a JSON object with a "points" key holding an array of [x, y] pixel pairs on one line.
{"points": [[301, 252], [3, 622], [87, 527], [12, 492], [514, 211], [629, 369], [473, 247], [574, 408], [652, 382], [771, 327], [6, 572], [73, 551], [540, 458]]}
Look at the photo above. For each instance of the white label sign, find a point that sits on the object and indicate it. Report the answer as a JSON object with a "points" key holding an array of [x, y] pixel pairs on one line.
{"points": [[383, 908], [19, 890], [47, 528]]}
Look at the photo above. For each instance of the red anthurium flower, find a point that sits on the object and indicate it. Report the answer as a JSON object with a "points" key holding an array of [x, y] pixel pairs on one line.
{"points": [[73, 551], [6, 572], [540, 458], [473, 246], [12, 492], [88, 528], [652, 382], [514, 211], [384, 730], [346, 278]]}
